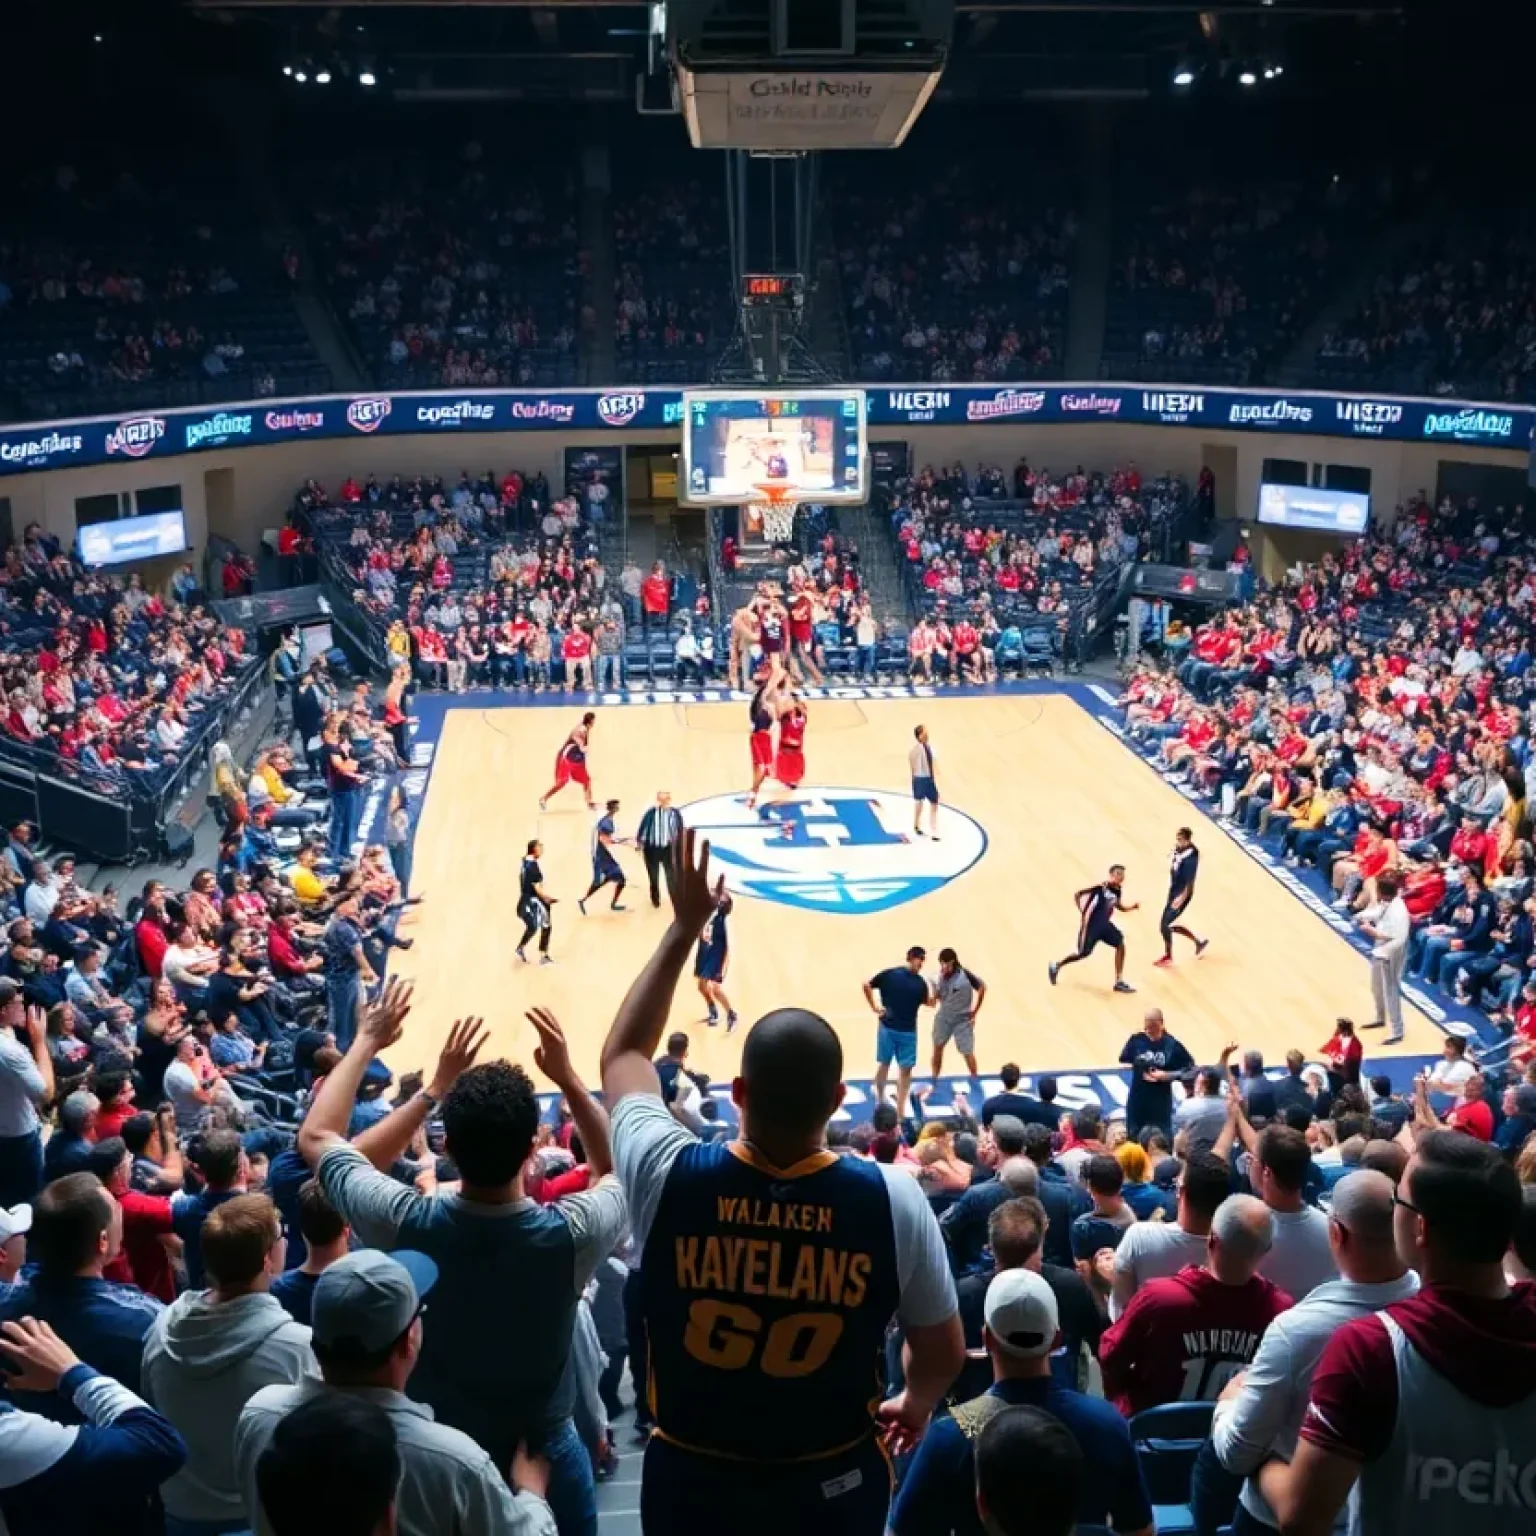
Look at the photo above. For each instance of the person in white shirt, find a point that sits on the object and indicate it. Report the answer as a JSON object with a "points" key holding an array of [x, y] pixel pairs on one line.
{"points": [[1154, 1250], [187, 963], [1387, 925], [686, 655], [1299, 1259], [1449, 1075], [41, 895], [1259, 1413]]}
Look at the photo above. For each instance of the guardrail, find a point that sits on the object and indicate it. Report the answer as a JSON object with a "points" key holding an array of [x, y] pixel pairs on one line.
{"points": [[108, 439]]}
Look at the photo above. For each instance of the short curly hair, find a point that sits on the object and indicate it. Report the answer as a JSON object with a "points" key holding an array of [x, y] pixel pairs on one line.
{"points": [[490, 1118]]}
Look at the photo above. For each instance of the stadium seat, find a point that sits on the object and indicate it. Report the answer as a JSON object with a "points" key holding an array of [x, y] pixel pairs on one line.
{"points": [[1168, 1439]]}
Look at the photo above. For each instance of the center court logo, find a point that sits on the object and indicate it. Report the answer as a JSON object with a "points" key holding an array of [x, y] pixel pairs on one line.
{"points": [[834, 850]]}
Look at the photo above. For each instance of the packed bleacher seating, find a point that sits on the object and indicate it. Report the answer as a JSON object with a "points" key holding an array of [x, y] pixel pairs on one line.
{"points": [[1213, 282], [1453, 316], [449, 266], [949, 275], [1002, 569], [109, 685], [121, 288]]}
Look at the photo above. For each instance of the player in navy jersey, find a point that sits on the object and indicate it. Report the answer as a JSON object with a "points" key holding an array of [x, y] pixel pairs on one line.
{"points": [[710, 962], [770, 1270], [1098, 905], [533, 904], [606, 869], [1183, 867]]}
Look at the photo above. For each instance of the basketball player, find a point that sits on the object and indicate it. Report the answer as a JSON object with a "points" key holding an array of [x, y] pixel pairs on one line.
{"points": [[769, 1272], [773, 634], [710, 962], [1183, 867], [761, 714], [789, 760], [571, 764], [1098, 905], [802, 635], [533, 904], [925, 784], [606, 869]]}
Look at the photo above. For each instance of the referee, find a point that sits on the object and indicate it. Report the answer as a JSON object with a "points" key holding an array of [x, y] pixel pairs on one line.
{"points": [[770, 1270], [925, 784], [660, 828]]}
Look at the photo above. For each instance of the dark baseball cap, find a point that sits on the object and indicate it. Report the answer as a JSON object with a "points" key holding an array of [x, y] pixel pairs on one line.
{"points": [[364, 1302]]}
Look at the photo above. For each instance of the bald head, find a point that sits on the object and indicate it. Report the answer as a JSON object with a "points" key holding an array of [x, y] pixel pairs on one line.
{"points": [[1361, 1229], [1242, 1231], [791, 1073], [1020, 1176]]}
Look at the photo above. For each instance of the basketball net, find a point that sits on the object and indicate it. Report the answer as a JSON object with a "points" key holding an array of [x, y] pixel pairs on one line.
{"points": [[772, 516]]}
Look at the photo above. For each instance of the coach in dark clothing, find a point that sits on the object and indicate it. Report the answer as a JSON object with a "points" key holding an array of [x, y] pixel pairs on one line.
{"points": [[660, 828], [1023, 1106], [1064, 1200], [964, 1224], [1291, 1091], [1155, 1059]]}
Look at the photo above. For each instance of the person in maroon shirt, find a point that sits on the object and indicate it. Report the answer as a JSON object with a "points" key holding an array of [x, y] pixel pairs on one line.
{"points": [[1184, 1338], [1429, 1404], [143, 1260]]}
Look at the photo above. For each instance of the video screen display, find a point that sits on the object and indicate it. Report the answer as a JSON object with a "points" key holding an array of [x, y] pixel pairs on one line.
{"points": [[811, 441], [132, 538], [1305, 506]]}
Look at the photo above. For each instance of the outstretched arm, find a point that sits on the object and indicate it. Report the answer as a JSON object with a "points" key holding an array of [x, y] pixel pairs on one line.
{"points": [[636, 1031]]}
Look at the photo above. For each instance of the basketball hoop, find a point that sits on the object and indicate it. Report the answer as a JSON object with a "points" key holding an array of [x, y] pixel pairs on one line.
{"points": [[772, 514]]}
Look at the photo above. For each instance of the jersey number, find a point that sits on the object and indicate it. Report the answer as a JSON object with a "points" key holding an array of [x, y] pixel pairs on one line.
{"points": [[1204, 1378], [728, 1336]]}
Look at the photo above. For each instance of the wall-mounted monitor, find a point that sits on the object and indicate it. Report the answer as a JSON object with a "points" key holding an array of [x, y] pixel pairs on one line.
{"points": [[810, 441], [127, 539], [1315, 509]]}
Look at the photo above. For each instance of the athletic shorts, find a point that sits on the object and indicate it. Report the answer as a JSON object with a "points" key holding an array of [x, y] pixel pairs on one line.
{"points": [[607, 868], [898, 1045], [761, 744], [959, 1029], [925, 789], [789, 767], [1105, 933], [709, 965], [567, 772], [533, 912]]}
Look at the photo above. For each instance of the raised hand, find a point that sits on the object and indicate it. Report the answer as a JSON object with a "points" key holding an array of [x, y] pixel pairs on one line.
{"points": [[382, 1022], [37, 1025], [693, 901], [457, 1056], [551, 1053], [38, 1358]]}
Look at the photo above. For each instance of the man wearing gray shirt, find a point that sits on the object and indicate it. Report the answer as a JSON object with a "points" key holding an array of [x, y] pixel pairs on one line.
{"points": [[26, 1080], [1259, 1413], [959, 994], [509, 1271]]}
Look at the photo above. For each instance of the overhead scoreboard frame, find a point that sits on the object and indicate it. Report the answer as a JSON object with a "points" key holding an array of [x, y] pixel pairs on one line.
{"points": [[812, 442]]}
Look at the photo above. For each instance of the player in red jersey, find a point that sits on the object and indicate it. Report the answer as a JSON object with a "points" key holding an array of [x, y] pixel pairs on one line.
{"points": [[761, 714], [571, 764], [789, 760], [802, 633]]}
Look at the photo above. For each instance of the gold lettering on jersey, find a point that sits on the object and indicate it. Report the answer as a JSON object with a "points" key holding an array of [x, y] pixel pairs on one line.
{"points": [[739, 1211], [759, 1266]]}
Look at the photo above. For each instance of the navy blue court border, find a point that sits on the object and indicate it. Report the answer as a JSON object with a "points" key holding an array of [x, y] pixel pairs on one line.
{"points": [[1108, 1086]]}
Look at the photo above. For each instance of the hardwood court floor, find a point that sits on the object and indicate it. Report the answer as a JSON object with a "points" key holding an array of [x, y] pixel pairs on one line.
{"points": [[1059, 800]]}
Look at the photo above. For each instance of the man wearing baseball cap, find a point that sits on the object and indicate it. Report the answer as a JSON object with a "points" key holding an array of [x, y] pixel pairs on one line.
{"points": [[1022, 1328], [366, 1334], [15, 1223]]}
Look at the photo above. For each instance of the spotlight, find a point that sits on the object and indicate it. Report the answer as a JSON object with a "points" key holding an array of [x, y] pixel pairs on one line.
{"points": [[1184, 76], [96, 37], [1269, 74], [288, 70], [323, 77], [1247, 77], [367, 77], [300, 76], [1279, 70]]}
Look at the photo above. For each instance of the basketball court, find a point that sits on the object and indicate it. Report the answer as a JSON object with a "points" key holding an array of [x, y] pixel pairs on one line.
{"points": [[1039, 800]]}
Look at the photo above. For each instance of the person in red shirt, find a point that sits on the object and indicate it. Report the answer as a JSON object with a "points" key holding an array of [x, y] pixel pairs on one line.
{"points": [[802, 635], [655, 598], [576, 652], [966, 656], [1184, 1338], [1472, 1114], [150, 933], [142, 1260], [1429, 1404]]}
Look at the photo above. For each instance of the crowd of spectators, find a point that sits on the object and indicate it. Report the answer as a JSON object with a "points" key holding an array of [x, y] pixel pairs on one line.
{"points": [[987, 552], [1215, 281], [1454, 315], [1371, 719], [104, 680], [948, 279], [450, 272]]}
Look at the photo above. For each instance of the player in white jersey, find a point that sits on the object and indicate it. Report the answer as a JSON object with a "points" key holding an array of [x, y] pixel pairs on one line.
{"points": [[1428, 1405]]}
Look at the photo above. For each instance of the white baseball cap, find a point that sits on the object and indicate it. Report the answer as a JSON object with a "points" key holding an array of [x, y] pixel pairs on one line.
{"points": [[14, 1222], [1021, 1314]]}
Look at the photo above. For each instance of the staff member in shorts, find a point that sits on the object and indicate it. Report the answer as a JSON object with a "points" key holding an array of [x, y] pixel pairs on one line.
{"points": [[903, 990], [958, 994], [925, 784]]}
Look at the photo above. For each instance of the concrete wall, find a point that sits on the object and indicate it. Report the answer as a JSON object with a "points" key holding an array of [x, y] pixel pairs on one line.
{"points": [[243, 492]]}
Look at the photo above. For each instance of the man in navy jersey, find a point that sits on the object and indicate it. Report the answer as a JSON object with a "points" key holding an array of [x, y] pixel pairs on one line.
{"points": [[1098, 905], [1183, 866], [770, 1269], [1430, 1403]]}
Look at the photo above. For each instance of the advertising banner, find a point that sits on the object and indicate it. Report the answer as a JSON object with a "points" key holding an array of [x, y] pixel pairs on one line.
{"points": [[162, 434]]}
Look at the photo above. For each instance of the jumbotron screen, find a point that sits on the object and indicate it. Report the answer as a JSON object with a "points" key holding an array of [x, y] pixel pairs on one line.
{"points": [[811, 441]]}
